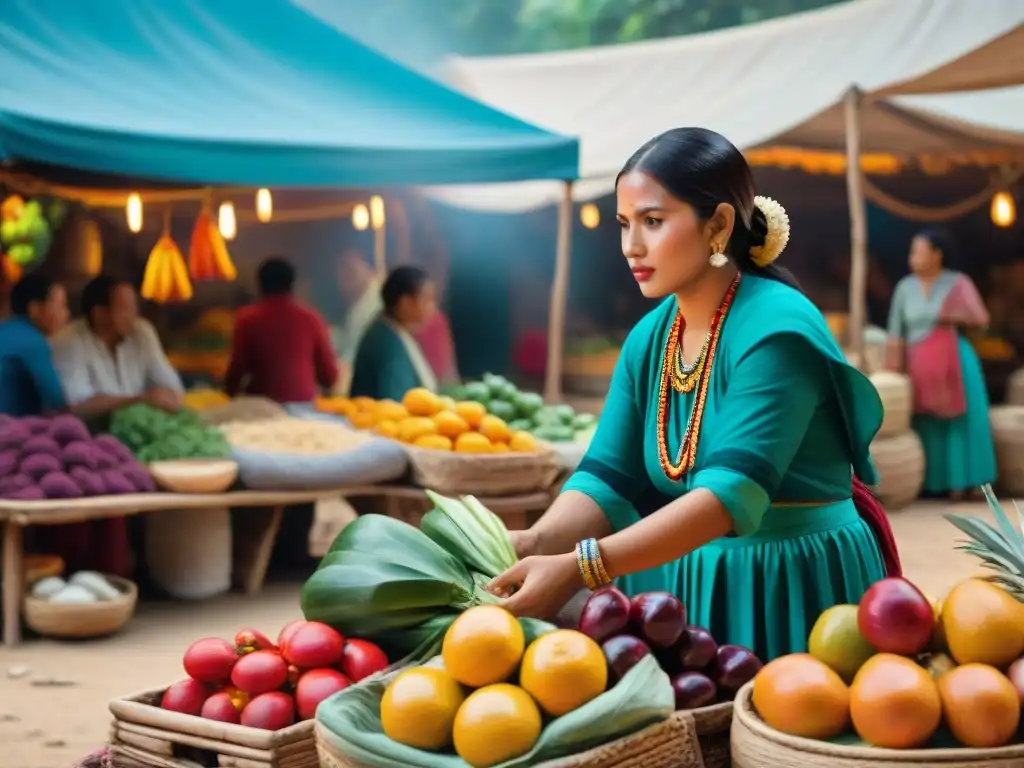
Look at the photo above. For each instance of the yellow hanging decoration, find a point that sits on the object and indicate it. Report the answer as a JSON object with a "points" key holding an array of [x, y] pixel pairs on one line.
{"points": [[222, 263], [166, 277]]}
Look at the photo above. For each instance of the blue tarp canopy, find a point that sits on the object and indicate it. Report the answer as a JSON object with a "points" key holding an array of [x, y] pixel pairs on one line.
{"points": [[242, 92]]}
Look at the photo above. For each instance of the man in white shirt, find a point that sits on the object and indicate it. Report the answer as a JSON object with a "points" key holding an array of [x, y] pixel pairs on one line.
{"points": [[111, 357]]}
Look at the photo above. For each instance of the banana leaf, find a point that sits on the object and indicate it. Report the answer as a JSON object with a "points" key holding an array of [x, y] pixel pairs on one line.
{"points": [[351, 721]]}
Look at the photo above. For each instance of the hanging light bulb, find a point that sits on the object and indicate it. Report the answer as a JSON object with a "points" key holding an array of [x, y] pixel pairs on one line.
{"points": [[264, 205], [377, 212], [133, 212], [1003, 210], [590, 216], [226, 222], [360, 217]]}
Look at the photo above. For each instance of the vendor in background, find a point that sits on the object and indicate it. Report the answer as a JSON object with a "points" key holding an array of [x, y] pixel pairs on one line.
{"points": [[281, 349], [29, 384], [111, 357], [931, 307], [390, 361], [359, 287]]}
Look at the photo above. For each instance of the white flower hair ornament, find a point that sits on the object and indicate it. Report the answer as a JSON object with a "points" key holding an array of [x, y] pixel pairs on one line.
{"points": [[778, 232]]}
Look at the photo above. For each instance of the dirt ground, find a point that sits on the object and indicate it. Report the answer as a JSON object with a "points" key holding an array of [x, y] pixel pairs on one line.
{"points": [[53, 696]]}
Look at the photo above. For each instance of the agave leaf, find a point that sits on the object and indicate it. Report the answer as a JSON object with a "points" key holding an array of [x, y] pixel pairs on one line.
{"points": [[1010, 532], [983, 534]]}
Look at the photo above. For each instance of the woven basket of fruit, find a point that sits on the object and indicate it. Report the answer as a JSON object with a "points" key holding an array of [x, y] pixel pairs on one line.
{"points": [[249, 702], [896, 394], [1008, 436], [900, 464], [484, 474]]}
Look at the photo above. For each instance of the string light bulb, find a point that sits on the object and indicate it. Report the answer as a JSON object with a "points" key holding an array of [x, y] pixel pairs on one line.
{"points": [[133, 212], [1003, 210], [264, 205], [360, 217], [377, 218], [226, 221], [590, 216]]}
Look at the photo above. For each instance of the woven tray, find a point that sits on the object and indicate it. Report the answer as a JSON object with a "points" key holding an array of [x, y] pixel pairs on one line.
{"points": [[755, 745], [1008, 436], [694, 739], [900, 464], [481, 474], [145, 736]]}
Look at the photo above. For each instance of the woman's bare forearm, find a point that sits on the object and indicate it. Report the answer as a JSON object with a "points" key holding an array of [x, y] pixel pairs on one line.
{"points": [[574, 516]]}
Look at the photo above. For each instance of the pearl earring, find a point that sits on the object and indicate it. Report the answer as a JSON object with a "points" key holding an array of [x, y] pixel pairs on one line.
{"points": [[718, 258]]}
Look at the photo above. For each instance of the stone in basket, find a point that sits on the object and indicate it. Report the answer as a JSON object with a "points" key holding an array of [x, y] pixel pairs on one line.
{"points": [[632, 724], [484, 474]]}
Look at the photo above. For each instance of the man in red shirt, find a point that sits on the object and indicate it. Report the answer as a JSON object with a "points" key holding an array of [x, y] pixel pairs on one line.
{"points": [[281, 349]]}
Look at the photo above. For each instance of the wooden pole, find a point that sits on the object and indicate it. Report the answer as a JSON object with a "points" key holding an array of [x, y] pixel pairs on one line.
{"points": [[559, 293], [858, 229]]}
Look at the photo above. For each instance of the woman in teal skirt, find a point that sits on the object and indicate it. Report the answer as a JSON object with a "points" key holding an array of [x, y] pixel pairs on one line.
{"points": [[930, 309], [723, 467]]}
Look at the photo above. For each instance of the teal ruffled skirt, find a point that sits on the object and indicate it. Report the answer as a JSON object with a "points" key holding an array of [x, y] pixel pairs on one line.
{"points": [[765, 591], [959, 455]]}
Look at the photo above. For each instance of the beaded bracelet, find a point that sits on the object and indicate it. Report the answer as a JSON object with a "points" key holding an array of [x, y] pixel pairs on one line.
{"points": [[588, 559]]}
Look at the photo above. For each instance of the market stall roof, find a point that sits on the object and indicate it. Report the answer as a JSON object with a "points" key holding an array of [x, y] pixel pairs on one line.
{"points": [[777, 83], [256, 93]]}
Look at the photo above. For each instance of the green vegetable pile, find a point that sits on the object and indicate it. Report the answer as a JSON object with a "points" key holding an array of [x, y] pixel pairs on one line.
{"points": [[155, 435], [400, 587], [527, 410]]}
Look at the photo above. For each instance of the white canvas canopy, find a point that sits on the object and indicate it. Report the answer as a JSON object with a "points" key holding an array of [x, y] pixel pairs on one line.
{"points": [[777, 83]]}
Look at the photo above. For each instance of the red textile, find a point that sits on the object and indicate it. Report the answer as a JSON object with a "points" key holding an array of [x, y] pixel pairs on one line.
{"points": [[282, 351], [933, 365], [435, 339], [872, 513], [95, 545]]}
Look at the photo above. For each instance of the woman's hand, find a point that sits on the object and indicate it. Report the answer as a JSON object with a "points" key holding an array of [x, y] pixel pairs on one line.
{"points": [[525, 543], [539, 587]]}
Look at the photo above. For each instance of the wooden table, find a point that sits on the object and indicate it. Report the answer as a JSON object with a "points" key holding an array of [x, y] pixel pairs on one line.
{"points": [[252, 545]]}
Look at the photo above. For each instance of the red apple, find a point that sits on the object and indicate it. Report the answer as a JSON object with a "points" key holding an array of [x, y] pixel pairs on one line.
{"points": [[221, 707], [187, 697], [270, 711], [315, 686], [259, 672], [313, 645], [361, 658], [895, 617], [210, 660]]}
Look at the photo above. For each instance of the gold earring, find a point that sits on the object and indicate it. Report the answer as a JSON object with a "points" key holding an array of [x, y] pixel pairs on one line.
{"points": [[718, 258]]}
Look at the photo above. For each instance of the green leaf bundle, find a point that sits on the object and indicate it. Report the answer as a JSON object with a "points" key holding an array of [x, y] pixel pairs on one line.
{"points": [[470, 532]]}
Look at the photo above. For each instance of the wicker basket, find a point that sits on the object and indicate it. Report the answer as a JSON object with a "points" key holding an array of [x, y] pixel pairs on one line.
{"points": [[694, 739], [482, 474], [1008, 436], [897, 396], [900, 464], [1015, 388], [85, 620], [755, 745], [145, 736]]}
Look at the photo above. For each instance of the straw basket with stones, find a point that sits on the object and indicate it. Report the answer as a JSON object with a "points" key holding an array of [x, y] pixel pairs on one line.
{"points": [[755, 745], [1015, 388], [697, 738], [145, 736], [896, 450], [1008, 436]]}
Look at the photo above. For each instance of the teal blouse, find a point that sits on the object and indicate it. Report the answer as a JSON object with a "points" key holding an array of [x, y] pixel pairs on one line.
{"points": [[382, 368], [787, 419]]}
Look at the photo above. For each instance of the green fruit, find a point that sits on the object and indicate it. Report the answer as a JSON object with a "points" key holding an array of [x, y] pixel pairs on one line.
{"points": [[584, 421], [503, 409], [554, 434], [22, 253], [8, 231], [565, 413], [836, 641], [476, 391], [528, 403], [547, 417], [521, 425]]}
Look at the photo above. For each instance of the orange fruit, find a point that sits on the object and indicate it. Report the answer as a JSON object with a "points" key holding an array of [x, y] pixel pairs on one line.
{"points": [[447, 403], [435, 442], [563, 670], [494, 429], [500, 448], [495, 724], [415, 426], [450, 424], [421, 402], [389, 410], [523, 442], [483, 646], [362, 419], [472, 412], [472, 442], [894, 703], [387, 428], [983, 624], [980, 705], [802, 696], [364, 403], [419, 708]]}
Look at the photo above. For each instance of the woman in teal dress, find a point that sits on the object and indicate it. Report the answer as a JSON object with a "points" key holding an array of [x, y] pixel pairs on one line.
{"points": [[389, 361], [930, 309], [723, 465]]}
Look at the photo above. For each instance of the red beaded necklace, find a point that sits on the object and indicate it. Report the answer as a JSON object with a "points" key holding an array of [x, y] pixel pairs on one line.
{"points": [[688, 447]]}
